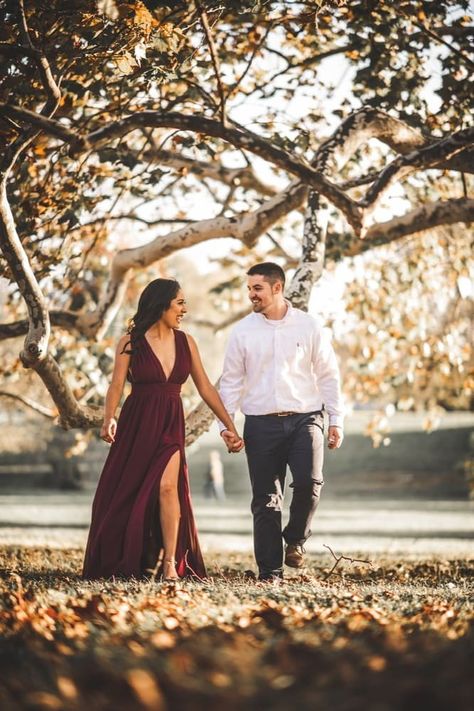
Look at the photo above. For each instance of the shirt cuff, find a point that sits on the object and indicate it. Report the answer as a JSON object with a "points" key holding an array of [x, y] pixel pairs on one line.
{"points": [[336, 421], [221, 425]]}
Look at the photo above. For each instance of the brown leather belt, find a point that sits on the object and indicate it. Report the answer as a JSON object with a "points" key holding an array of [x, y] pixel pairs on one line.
{"points": [[283, 414]]}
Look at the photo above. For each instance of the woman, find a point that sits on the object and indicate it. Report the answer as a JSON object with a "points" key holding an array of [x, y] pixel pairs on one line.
{"points": [[142, 503]]}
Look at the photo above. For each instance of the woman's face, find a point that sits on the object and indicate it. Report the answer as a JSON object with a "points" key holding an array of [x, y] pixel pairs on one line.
{"points": [[173, 315]]}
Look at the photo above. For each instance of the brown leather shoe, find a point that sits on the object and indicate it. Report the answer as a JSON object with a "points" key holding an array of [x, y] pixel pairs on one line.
{"points": [[294, 555]]}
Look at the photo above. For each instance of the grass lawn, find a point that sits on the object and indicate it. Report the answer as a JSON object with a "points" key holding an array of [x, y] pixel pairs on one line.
{"points": [[397, 634]]}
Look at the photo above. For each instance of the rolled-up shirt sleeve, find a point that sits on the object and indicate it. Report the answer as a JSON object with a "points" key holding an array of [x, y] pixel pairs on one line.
{"points": [[232, 381], [327, 374]]}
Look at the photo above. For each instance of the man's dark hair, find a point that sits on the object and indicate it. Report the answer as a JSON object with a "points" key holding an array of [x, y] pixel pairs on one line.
{"points": [[271, 271]]}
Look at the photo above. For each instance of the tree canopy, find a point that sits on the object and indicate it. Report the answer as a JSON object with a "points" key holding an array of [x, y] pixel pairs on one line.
{"points": [[310, 132]]}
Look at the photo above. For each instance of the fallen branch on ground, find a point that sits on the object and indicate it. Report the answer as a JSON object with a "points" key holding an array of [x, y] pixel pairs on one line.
{"points": [[343, 557]]}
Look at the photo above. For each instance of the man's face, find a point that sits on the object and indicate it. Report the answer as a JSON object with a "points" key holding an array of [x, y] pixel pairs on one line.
{"points": [[261, 293]]}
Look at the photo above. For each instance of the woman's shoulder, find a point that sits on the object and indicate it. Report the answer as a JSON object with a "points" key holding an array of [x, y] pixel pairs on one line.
{"points": [[187, 339], [124, 343], [185, 336]]}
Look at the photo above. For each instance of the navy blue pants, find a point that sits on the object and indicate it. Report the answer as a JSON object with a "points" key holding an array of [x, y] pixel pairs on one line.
{"points": [[271, 444]]}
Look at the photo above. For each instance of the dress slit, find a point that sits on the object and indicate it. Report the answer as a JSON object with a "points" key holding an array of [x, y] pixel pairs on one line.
{"points": [[152, 520]]}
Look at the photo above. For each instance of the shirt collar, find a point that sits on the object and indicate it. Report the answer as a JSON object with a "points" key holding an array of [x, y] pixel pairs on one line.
{"points": [[279, 321]]}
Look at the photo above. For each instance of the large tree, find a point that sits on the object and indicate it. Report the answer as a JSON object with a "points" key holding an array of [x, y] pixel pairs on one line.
{"points": [[116, 114]]}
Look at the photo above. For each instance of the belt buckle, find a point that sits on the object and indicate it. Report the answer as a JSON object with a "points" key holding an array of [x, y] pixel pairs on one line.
{"points": [[283, 414]]}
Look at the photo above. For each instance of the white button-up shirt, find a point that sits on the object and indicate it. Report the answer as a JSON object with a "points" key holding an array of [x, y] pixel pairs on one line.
{"points": [[286, 365]]}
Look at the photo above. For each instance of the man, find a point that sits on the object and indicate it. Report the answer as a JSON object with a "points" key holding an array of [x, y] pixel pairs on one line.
{"points": [[281, 370]]}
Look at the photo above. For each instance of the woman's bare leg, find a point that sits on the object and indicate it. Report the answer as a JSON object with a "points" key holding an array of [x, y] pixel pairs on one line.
{"points": [[170, 513]]}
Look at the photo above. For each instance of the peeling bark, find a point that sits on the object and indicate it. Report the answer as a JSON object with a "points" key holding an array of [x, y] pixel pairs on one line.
{"points": [[311, 264], [71, 414], [36, 344]]}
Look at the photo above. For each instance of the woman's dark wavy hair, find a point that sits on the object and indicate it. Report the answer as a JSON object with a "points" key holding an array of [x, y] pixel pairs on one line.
{"points": [[154, 300]]}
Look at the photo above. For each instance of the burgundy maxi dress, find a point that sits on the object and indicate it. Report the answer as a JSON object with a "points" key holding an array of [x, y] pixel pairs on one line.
{"points": [[125, 512]]}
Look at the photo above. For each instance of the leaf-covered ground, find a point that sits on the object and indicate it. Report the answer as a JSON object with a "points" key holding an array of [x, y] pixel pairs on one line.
{"points": [[391, 636]]}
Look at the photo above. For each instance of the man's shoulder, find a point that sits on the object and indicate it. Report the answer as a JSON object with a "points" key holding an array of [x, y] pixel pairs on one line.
{"points": [[246, 323], [308, 320]]}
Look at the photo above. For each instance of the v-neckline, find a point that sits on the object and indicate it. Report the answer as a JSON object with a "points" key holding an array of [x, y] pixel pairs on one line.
{"points": [[159, 361]]}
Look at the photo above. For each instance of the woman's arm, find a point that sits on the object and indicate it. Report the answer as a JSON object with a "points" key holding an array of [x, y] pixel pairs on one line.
{"points": [[115, 390], [207, 390]]}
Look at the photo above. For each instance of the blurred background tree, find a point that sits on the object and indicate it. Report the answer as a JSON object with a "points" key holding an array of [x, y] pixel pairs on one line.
{"points": [[97, 195]]}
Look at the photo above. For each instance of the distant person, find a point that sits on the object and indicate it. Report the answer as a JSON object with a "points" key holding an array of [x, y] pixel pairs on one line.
{"points": [[280, 368], [214, 484], [142, 504]]}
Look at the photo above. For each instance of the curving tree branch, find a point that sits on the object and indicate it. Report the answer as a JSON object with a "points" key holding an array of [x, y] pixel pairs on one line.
{"points": [[71, 412], [422, 218], [31, 404], [243, 177], [247, 228], [425, 217], [198, 421], [356, 129], [426, 157], [237, 136], [414, 149], [68, 320]]}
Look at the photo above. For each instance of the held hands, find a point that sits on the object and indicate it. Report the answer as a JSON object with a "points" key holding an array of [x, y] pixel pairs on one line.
{"points": [[335, 437], [108, 430], [233, 442]]}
